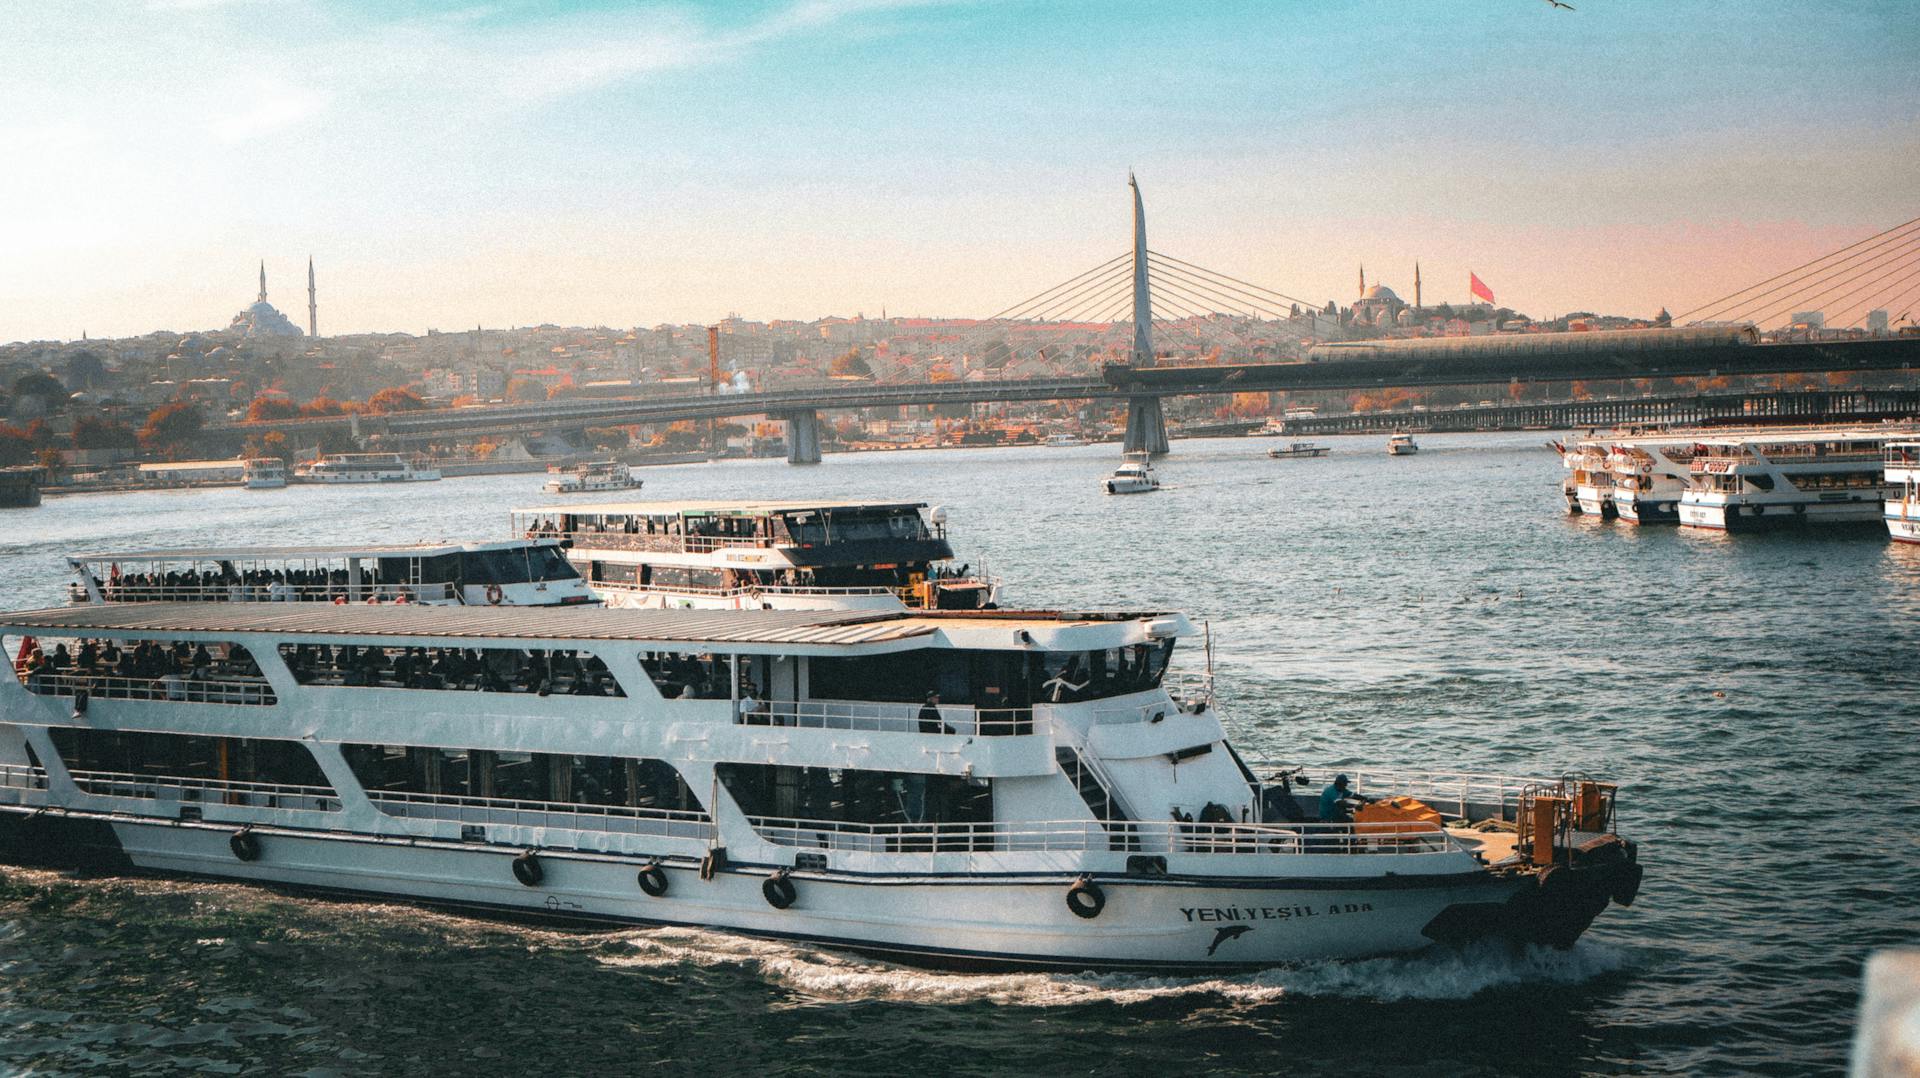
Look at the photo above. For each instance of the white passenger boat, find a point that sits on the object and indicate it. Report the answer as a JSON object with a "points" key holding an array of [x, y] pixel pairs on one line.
{"points": [[599, 475], [1402, 445], [1902, 477], [784, 774], [1591, 478], [364, 468], [1298, 449], [791, 555], [506, 573], [1649, 476], [1761, 480], [1065, 441], [1133, 476], [265, 473]]}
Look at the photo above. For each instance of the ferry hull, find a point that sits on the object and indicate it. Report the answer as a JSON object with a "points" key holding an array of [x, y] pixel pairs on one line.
{"points": [[1903, 529], [1764, 516], [1021, 922], [1648, 510]]}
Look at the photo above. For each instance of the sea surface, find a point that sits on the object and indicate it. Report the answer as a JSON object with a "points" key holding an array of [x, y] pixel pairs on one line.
{"points": [[1755, 696]]}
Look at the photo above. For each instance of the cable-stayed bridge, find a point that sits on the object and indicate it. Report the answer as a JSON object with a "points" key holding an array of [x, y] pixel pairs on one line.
{"points": [[1144, 325]]}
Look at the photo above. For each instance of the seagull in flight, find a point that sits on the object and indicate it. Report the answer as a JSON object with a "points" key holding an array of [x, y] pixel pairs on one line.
{"points": [[1557, 3]]}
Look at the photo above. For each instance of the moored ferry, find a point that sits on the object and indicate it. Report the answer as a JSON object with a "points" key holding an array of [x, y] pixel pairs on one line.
{"points": [[786, 555], [1901, 473], [1025, 790], [502, 573], [1649, 476], [594, 476], [364, 468], [264, 473], [1763, 480], [1592, 479]]}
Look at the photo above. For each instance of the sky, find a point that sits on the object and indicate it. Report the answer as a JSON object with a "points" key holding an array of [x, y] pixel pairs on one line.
{"points": [[627, 164]]}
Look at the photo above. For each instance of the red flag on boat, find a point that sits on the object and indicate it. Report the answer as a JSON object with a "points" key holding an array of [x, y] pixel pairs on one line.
{"points": [[1479, 287]]}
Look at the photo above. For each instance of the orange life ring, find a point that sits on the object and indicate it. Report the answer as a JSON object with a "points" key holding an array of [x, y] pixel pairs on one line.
{"points": [[495, 595]]}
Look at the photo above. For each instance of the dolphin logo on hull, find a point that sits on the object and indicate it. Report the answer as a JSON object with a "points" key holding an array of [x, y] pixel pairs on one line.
{"points": [[1222, 935]]}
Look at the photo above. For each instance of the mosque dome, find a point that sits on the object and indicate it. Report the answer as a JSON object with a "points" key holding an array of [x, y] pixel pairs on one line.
{"points": [[1380, 293], [262, 319]]}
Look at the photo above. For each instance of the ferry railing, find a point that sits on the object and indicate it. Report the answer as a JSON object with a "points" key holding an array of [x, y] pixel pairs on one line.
{"points": [[17, 777], [1454, 793], [263, 593], [1084, 836], [223, 791], [895, 718], [564, 815], [215, 689]]}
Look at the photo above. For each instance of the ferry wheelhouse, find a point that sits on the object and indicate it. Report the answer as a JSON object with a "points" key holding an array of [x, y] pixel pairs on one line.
{"points": [[1762, 480], [1901, 473], [1649, 476], [505, 573], [764, 555], [364, 468], [1022, 790], [599, 475]]}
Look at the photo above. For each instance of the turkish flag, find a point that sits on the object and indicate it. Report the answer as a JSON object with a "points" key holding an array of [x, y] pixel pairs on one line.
{"points": [[1479, 287]]}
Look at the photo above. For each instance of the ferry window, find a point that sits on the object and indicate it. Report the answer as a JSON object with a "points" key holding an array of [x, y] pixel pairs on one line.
{"points": [[684, 676], [520, 776], [178, 670], [440, 569], [186, 756], [901, 677], [561, 671], [1761, 482], [1065, 677], [855, 796]]}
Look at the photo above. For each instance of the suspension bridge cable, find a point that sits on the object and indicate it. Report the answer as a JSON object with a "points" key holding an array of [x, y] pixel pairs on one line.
{"points": [[1715, 304], [1848, 302], [1093, 292], [1235, 280], [1230, 303], [1808, 295], [1032, 300], [1810, 298], [1879, 300]]}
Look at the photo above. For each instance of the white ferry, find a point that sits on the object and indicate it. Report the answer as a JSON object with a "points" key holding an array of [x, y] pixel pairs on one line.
{"points": [[1902, 476], [594, 476], [1402, 445], [1133, 476], [364, 468], [1298, 449], [789, 555], [1065, 441], [785, 774], [506, 573], [1649, 476], [1759, 480], [1590, 479], [264, 473]]}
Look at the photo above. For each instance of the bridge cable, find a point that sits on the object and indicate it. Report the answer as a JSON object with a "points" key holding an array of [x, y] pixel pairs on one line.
{"points": [[1234, 280], [1230, 303], [1881, 299], [1716, 304], [1807, 294], [1796, 276], [1809, 298], [1031, 300]]}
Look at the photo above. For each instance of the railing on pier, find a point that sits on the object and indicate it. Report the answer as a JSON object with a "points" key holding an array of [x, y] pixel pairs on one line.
{"points": [[1131, 836]]}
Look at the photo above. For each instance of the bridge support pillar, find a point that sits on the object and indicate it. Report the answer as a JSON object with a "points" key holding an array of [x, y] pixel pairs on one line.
{"points": [[803, 437], [1146, 427]]}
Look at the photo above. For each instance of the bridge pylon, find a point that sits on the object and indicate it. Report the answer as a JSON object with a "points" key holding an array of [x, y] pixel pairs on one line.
{"points": [[1146, 427], [803, 436], [1146, 421]]}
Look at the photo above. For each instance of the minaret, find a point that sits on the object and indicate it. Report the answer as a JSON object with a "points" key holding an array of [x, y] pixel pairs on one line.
{"points": [[313, 305], [1416, 286], [263, 282], [1363, 279]]}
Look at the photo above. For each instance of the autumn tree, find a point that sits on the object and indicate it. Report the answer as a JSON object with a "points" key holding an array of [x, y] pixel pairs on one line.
{"points": [[271, 446], [42, 387], [395, 399], [607, 438], [171, 426], [322, 406], [850, 363], [97, 432], [526, 391], [264, 409]]}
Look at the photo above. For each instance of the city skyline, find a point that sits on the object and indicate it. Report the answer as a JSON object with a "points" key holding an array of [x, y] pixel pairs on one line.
{"points": [[616, 166]]}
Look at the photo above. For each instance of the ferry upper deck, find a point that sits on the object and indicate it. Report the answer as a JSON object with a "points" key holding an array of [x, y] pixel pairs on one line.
{"points": [[805, 533]]}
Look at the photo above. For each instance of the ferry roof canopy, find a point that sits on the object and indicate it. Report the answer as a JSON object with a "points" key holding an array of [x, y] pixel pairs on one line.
{"points": [[293, 553], [798, 627], [708, 508]]}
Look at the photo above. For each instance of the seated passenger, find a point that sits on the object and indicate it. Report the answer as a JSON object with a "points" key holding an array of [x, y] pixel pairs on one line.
{"points": [[1333, 801]]}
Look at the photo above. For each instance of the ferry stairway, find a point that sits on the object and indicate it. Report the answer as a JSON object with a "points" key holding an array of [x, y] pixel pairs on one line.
{"points": [[1098, 796]]}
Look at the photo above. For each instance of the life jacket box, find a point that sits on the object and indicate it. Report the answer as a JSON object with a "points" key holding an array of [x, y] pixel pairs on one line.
{"points": [[1396, 814]]}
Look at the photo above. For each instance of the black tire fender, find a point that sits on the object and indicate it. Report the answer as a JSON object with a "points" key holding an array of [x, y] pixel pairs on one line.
{"points": [[1085, 898], [526, 869], [245, 844], [779, 891], [653, 880]]}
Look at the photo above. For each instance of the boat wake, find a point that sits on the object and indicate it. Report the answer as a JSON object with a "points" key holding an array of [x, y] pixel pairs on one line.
{"points": [[821, 977]]}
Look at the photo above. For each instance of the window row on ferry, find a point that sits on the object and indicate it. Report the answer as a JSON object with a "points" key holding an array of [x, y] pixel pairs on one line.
{"points": [[564, 671], [144, 670]]}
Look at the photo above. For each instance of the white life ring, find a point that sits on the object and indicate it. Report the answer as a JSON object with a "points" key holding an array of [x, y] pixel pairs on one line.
{"points": [[494, 595]]}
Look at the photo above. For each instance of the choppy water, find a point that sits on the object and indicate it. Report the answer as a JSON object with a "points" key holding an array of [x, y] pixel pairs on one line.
{"points": [[1755, 696]]}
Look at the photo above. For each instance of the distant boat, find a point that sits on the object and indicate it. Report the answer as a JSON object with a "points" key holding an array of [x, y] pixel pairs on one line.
{"points": [[1065, 441], [1401, 445], [594, 476], [265, 473], [365, 468], [1298, 449], [1134, 476]]}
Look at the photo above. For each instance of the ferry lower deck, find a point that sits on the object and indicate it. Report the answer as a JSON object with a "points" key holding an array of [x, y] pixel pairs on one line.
{"points": [[1023, 789]]}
